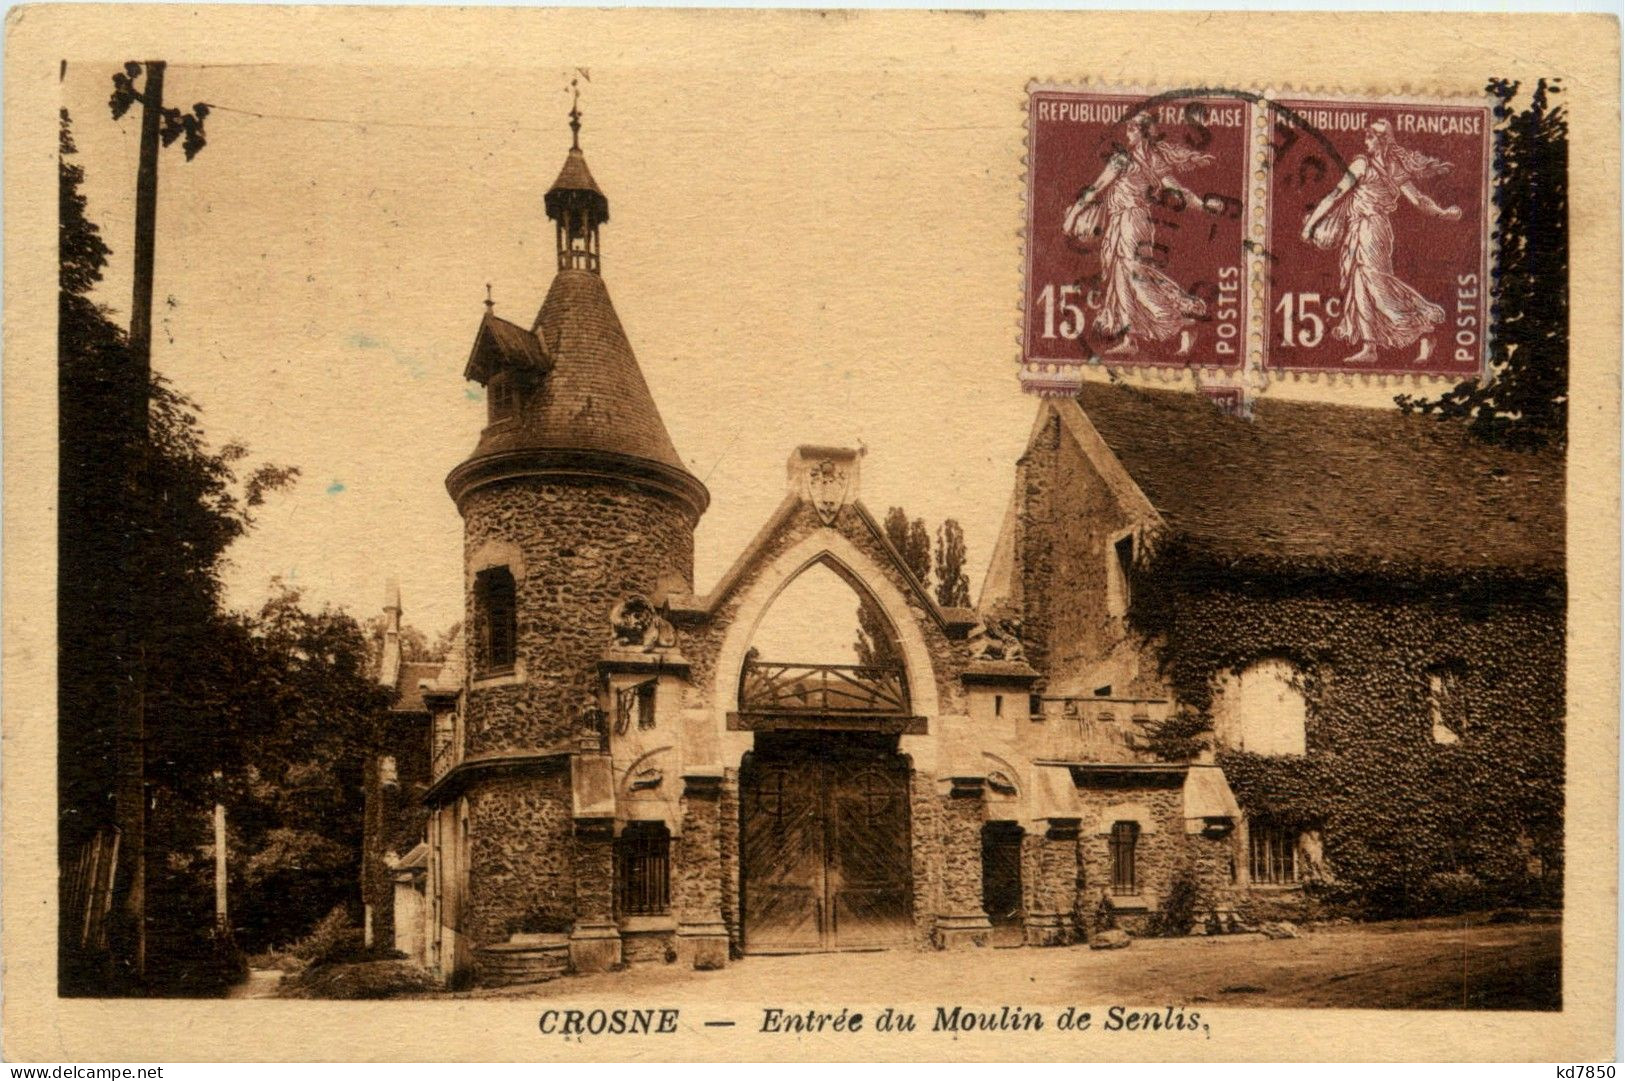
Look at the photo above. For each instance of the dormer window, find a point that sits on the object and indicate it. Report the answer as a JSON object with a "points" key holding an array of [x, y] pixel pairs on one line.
{"points": [[495, 623], [502, 398]]}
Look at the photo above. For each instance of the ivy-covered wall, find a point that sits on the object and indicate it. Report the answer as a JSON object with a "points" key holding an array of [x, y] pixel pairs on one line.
{"points": [[1396, 808]]}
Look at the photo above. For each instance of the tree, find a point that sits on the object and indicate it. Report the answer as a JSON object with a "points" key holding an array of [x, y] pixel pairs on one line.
{"points": [[305, 716], [912, 540], [446, 641], [1524, 403], [953, 585]]}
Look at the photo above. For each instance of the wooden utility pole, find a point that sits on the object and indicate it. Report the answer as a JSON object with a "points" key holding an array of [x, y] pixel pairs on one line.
{"points": [[222, 919], [131, 802]]}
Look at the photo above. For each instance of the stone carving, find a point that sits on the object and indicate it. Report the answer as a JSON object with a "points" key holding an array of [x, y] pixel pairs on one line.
{"points": [[634, 624], [591, 722], [1001, 783], [997, 638], [826, 488], [645, 779]]}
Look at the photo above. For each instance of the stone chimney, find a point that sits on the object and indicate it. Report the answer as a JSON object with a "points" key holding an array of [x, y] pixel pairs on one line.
{"points": [[389, 665]]}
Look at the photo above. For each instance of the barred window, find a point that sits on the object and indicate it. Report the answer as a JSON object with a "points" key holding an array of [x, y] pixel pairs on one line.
{"points": [[1125, 836], [494, 619], [643, 870], [1272, 854]]}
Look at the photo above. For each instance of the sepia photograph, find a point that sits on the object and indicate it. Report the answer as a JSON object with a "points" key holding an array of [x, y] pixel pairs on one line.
{"points": [[863, 534]]}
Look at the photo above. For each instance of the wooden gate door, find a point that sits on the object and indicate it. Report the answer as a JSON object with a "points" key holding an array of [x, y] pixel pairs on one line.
{"points": [[825, 852]]}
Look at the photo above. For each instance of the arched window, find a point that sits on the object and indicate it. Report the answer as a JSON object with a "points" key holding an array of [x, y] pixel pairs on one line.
{"points": [[1261, 709], [1124, 839], [494, 618], [824, 646]]}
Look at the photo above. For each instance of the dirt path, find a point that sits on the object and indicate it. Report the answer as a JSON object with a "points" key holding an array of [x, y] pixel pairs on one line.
{"points": [[1425, 964], [261, 983]]}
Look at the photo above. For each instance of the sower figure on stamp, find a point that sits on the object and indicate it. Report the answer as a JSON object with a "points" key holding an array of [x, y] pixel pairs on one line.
{"points": [[1139, 300], [1379, 310]]}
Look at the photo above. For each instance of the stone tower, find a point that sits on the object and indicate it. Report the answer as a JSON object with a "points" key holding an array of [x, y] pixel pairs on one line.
{"points": [[573, 499]]}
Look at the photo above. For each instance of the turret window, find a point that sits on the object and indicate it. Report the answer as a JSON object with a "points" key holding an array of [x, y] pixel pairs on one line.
{"points": [[494, 618], [1447, 705]]}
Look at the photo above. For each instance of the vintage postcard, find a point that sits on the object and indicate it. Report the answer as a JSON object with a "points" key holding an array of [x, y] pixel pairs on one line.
{"points": [[809, 535]]}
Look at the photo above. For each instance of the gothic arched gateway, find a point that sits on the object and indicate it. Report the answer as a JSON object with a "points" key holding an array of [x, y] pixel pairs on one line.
{"points": [[616, 776]]}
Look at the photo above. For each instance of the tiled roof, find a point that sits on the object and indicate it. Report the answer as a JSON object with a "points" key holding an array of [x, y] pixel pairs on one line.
{"points": [[575, 183], [1335, 487], [408, 693], [595, 398]]}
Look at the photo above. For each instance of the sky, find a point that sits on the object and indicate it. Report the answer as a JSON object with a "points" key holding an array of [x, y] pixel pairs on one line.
{"points": [[799, 254]]}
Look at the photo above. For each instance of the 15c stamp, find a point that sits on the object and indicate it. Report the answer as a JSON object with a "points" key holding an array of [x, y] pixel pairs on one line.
{"points": [[1136, 207], [1249, 235], [1378, 237]]}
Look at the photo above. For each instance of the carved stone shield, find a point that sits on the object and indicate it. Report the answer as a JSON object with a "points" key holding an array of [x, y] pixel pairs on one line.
{"points": [[826, 488]]}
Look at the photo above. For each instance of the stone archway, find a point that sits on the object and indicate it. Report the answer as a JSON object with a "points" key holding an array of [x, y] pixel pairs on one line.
{"points": [[833, 550]]}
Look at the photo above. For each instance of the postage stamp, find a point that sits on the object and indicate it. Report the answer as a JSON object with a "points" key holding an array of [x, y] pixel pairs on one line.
{"points": [[1378, 238], [1135, 229]]}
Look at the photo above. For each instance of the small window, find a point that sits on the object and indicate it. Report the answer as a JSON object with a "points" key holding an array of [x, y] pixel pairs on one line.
{"points": [[494, 615], [1125, 837], [444, 741], [1447, 705], [1272, 854], [501, 398], [1103, 692], [643, 870], [637, 701], [1119, 565], [998, 705], [1035, 706]]}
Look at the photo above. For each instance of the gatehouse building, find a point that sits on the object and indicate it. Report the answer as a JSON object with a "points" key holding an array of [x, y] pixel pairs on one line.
{"points": [[617, 772]]}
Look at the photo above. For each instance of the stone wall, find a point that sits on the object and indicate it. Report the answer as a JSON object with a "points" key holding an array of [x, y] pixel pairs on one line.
{"points": [[1159, 854], [583, 547], [1214, 862], [926, 825], [520, 865], [728, 842], [1068, 519]]}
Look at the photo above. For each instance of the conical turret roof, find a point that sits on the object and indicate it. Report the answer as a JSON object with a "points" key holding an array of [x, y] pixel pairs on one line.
{"points": [[584, 407]]}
